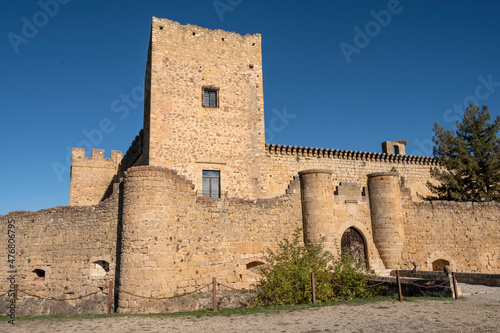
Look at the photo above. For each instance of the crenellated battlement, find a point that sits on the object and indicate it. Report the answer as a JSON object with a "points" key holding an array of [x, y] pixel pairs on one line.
{"points": [[349, 154], [91, 177], [78, 157]]}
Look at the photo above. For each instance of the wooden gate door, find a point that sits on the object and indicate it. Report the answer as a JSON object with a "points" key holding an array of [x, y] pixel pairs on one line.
{"points": [[353, 241]]}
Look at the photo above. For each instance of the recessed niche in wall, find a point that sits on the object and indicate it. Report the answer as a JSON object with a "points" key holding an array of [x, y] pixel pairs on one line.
{"points": [[36, 276], [99, 268], [254, 267], [438, 265]]}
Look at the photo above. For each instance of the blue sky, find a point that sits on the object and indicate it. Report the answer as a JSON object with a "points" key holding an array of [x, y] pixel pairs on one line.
{"points": [[352, 73]]}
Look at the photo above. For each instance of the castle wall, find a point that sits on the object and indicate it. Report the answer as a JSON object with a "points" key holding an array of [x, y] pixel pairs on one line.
{"points": [[92, 177], [64, 243], [174, 241], [284, 162], [184, 135], [134, 155], [464, 234]]}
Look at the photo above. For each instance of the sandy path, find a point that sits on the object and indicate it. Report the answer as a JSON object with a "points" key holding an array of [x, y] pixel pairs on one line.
{"points": [[472, 313]]}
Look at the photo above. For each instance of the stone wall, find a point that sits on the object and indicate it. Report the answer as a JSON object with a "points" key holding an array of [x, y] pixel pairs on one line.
{"points": [[467, 235], [174, 241], [284, 162], [184, 135], [68, 245], [92, 177], [134, 154]]}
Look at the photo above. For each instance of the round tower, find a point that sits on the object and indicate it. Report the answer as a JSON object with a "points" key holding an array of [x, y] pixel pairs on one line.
{"points": [[145, 260], [386, 216], [316, 190]]}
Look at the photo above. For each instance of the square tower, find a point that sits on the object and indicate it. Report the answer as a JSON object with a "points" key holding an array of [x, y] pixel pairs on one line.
{"points": [[204, 107]]}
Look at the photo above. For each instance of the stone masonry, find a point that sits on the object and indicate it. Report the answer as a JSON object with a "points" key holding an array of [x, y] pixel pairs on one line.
{"points": [[199, 194]]}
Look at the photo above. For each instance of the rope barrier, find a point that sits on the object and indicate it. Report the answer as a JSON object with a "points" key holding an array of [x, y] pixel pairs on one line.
{"points": [[59, 299], [286, 289], [240, 290], [247, 291], [220, 285], [361, 287], [250, 291], [428, 287], [160, 298]]}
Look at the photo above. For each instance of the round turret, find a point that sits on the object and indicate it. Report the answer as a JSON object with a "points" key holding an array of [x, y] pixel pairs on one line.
{"points": [[386, 216], [316, 189]]}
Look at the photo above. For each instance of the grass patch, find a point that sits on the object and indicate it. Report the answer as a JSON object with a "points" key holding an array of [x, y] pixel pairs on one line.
{"points": [[268, 310]]}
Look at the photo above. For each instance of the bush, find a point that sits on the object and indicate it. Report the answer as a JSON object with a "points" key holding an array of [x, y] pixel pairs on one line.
{"points": [[349, 274], [286, 279]]}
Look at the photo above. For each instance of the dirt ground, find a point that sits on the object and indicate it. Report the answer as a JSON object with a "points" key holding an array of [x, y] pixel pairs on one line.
{"points": [[477, 311]]}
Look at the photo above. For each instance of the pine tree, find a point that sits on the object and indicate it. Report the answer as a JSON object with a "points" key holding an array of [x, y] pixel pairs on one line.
{"points": [[470, 158]]}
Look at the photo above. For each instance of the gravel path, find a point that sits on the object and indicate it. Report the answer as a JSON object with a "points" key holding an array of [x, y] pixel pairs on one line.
{"points": [[478, 311]]}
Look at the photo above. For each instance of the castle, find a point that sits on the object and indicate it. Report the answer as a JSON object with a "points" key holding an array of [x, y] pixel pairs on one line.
{"points": [[199, 194]]}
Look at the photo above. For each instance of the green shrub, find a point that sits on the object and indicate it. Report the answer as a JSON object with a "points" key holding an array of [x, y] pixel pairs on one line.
{"points": [[345, 272], [286, 279]]}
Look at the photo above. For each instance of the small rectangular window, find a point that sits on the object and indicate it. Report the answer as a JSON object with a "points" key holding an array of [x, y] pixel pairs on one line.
{"points": [[211, 184], [396, 150], [210, 97]]}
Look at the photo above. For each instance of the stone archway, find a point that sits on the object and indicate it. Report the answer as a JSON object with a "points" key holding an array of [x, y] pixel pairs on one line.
{"points": [[353, 241], [438, 265], [438, 260]]}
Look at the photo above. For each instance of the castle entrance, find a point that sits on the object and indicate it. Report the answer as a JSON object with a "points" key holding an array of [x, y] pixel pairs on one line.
{"points": [[353, 241]]}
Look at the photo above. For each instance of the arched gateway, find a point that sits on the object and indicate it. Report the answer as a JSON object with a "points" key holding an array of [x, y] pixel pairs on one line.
{"points": [[353, 241]]}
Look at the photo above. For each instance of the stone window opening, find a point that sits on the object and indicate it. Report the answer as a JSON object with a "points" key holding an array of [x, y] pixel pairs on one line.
{"points": [[36, 276], [253, 271], [396, 150], [210, 97], [39, 275], [211, 184], [99, 268], [254, 266]]}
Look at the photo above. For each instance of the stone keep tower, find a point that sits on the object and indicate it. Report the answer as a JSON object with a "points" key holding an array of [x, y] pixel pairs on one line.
{"points": [[204, 108]]}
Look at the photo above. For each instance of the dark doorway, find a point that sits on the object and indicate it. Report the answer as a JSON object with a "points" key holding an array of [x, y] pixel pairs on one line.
{"points": [[353, 241]]}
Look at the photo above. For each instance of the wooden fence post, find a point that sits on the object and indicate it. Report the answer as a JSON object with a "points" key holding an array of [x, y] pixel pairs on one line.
{"points": [[399, 286], [214, 294], [16, 290], [455, 287], [110, 297], [313, 284]]}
